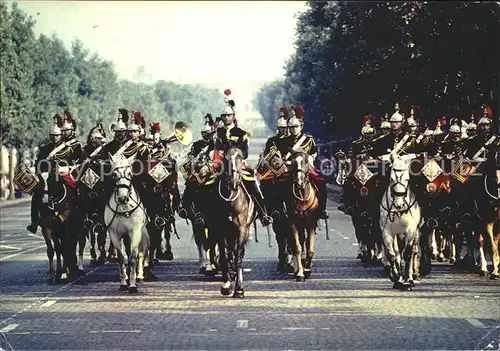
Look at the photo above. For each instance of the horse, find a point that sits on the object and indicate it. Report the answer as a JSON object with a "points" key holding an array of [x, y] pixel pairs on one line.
{"points": [[363, 190], [302, 206], [400, 222], [486, 189], [229, 217], [125, 218], [57, 218]]}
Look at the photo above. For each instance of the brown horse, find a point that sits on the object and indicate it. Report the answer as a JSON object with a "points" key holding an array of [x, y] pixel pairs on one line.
{"points": [[58, 216], [302, 207], [229, 217]]}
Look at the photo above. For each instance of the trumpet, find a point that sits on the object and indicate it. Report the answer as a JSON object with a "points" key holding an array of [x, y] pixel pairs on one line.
{"points": [[181, 133]]}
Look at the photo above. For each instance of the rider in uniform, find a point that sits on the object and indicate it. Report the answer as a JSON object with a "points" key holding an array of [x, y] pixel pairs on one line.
{"points": [[276, 142], [472, 128], [232, 136], [485, 138], [298, 139], [206, 145], [41, 165], [385, 126], [72, 152]]}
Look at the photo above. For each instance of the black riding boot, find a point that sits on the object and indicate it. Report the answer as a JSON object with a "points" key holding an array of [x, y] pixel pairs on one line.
{"points": [[254, 191], [322, 197], [341, 206], [35, 201]]}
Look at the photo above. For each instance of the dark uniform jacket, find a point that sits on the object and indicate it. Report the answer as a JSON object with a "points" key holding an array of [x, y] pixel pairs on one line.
{"points": [[234, 137], [386, 143], [199, 145], [474, 144], [308, 145], [360, 146]]}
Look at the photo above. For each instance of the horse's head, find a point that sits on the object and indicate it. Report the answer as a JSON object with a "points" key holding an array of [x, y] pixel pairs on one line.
{"points": [[399, 179], [233, 162], [299, 162], [122, 176]]}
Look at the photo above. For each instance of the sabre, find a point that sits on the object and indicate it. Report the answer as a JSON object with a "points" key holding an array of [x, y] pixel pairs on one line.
{"points": [[255, 229], [327, 230], [269, 236]]}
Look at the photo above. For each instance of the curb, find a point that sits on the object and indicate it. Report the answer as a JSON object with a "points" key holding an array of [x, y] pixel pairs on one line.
{"points": [[13, 203]]}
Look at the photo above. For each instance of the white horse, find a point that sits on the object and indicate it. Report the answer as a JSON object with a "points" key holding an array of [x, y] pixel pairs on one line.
{"points": [[125, 218], [400, 222]]}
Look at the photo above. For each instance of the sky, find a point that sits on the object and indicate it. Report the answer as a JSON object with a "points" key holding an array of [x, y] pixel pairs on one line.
{"points": [[228, 44]]}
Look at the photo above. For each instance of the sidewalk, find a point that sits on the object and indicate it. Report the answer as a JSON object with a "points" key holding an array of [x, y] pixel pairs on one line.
{"points": [[16, 202]]}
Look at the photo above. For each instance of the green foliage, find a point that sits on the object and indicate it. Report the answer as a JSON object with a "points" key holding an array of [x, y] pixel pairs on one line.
{"points": [[41, 77], [354, 58]]}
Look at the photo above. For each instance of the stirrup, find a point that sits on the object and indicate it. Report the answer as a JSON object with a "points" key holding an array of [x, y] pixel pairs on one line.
{"points": [[266, 220], [182, 212], [159, 222]]}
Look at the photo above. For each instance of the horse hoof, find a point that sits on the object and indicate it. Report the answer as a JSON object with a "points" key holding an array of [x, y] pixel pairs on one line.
{"points": [[239, 294], [80, 273], [359, 256], [93, 261], [101, 260], [483, 273], [225, 292], [397, 285], [494, 277], [169, 256], [133, 290], [453, 260], [123, 287], [202, 270], [300, 278], [440, 259], [140, 280], [150, 277], [307, 274]]}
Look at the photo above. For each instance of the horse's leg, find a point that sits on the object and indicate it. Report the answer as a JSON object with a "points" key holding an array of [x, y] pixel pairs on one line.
{"points": [[82, 240], [239, 253], [135, 240], [101, 244], [169, 256], [390, 249], [201, 252], [410, 253], [47, 236], [297, 253], [433, 244], [483, 264], [225, 288], [494, 240], [311, 237]]}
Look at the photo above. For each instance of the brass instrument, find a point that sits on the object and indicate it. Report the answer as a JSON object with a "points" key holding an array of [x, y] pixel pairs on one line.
{"points": [[181, 133], [271, 163]]}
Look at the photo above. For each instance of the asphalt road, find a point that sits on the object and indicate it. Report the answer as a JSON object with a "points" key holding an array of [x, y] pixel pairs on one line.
{"points": [[343, 306]]}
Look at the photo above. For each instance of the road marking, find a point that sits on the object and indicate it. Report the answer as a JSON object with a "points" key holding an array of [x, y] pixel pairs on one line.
{"points": [[2, 246], [475, 323], [346, 237], [48, 303], [355, 244], [297, 328], [114, 331], [9, 328], [325, 328], [212, 330], [22, 252], [36, 236], [242, 323]]}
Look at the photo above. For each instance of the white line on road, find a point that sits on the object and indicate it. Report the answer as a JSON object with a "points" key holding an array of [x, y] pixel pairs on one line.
{"points": [[355, 244], [475, 322], [22, 252], [8, 247], [114, 331], [297, 328], [48, 303], [242, 323], [346, 237], [9, 328], [36, 236]]}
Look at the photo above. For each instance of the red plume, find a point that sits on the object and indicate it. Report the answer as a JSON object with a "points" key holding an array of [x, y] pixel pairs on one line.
{"points": [[442, 121], [284, 111], [299, 112], [368, 119], [69, 117], [227, 92], [488, 112], [155, 127], [137, 118]]}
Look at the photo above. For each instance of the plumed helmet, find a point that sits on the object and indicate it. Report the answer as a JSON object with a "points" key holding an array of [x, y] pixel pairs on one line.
{"points": [[56, 127], [297, 119], [368, 129], [227, 110], [385, 125], [472, 126], [484, 120], [228, 98], [154, 128], [455, 129], [282, 123], [68, 121], [121, 124], [137, 124], [411, 122], [206, 129], [396, 117]]}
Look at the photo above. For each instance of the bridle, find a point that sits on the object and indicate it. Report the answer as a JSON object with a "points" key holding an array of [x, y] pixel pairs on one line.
{"points": [[392, 212], [121, 175]]}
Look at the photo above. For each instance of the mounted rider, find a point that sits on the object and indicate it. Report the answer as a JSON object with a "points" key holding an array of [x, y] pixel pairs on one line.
{"points": [[485, 138], [232, 136], [45, 153], [272, 157], [472, 127], [200, 148], [161, 153], [298, 139], [385, 126]]}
